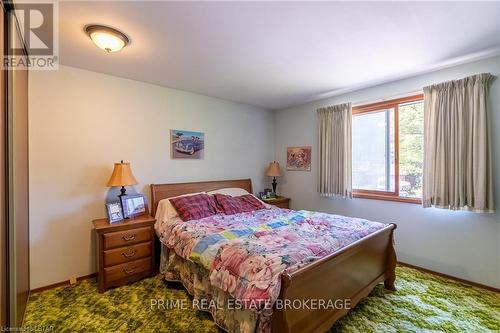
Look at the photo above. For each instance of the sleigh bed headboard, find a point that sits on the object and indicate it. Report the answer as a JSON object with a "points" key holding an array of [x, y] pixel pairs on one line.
{"points": [[163, 191]]}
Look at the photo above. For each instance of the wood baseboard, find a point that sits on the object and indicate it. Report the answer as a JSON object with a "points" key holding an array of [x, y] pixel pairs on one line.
{"points": [[62, 283], [474, 284]]}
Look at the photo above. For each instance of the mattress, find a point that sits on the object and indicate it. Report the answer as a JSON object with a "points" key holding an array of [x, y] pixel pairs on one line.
{"points": [[237, 260]]}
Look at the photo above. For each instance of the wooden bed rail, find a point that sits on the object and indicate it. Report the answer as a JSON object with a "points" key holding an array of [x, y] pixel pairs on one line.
{"points": [[340, 279]]}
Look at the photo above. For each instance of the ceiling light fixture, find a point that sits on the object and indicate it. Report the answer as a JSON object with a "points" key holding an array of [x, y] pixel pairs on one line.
{"points": [[106, 38]]}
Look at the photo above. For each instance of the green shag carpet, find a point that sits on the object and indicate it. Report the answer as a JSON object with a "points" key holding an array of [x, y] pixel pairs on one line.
{"points": [[422, 303]]}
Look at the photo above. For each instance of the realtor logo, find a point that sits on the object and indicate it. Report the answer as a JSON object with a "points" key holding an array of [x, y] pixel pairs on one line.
{"points": [[37, 23]]}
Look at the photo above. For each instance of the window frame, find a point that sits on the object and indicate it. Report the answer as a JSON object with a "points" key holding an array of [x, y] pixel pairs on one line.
{"points": [[380, 106]]}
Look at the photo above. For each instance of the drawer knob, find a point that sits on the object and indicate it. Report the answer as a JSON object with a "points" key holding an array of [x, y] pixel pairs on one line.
{"points": [[129, 271], [128, 237], [130, 253]]}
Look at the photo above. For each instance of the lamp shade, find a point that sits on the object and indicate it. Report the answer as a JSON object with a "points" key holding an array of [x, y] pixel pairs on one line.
{"points": [[273, 170], [122, 175]]}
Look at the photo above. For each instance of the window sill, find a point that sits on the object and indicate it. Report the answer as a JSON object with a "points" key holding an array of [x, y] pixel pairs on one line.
{"points": [[386, 197]]}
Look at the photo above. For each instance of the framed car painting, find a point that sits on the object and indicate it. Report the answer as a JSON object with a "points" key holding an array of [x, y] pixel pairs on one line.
{"points": [[187, 144]]}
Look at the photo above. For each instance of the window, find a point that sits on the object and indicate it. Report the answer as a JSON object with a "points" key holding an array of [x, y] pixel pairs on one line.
{"points": [[387, 149]]}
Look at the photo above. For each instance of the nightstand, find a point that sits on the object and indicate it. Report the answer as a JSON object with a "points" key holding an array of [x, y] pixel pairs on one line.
{"points": [[125, 251], [280, 202]]}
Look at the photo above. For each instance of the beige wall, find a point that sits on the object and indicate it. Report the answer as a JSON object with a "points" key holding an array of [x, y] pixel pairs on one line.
{"points": [[458, 243], [81, 122]]}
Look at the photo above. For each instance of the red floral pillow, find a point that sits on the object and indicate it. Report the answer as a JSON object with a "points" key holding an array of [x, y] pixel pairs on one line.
{"points": [[195, 207], [240, 204]]}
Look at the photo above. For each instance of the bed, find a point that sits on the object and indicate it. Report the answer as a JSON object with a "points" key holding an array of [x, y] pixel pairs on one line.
{"points": [[348, 272]]}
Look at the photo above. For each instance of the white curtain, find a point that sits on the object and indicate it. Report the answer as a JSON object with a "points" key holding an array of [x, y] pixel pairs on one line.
{"points": [[335, 166], [457, 151]]}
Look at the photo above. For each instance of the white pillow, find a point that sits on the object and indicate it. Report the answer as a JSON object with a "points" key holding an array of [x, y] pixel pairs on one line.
{"points": [[232, 191]]}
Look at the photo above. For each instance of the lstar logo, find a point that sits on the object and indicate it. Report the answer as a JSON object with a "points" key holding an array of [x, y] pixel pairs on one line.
{"points": [[36, 22]]}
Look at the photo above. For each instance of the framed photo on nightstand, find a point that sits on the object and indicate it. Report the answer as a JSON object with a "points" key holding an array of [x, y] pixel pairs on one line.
{"points": [[115, 213], [134, 205]]}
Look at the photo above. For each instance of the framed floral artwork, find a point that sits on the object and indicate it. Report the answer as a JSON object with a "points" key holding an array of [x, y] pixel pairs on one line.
{"points": [[298, 158]]}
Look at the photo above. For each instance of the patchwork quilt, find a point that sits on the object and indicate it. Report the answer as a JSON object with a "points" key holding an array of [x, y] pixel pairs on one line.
{"points": [[245, 254]]}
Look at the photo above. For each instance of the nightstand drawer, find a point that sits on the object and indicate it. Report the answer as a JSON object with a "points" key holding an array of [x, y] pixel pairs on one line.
{"points": [[126, 237], [129, 270], [125, 254], [283, 204], [280, 202]]}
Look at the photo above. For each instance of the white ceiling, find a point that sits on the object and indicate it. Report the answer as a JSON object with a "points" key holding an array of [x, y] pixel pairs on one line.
{"points": [[278, 54]]}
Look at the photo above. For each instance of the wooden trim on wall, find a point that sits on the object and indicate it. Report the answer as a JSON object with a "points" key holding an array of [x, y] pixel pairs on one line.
{"points": [[385, 104], [473, 284], [425, 270], [62, 283], [383, 196], [4, 283], [17, 184]]}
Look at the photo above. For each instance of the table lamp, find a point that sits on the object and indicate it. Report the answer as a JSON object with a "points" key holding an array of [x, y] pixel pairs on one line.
{"points": [[122, 176], [274, 171]]}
